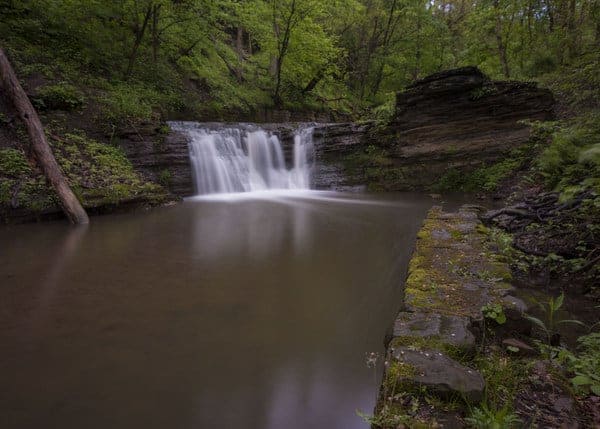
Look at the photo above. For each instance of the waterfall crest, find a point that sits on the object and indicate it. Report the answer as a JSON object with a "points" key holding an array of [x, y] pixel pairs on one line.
{"points": [[244, 158]]}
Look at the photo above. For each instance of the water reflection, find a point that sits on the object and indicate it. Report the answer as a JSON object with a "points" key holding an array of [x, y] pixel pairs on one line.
{"points": [[60, 263], [217, 314]]}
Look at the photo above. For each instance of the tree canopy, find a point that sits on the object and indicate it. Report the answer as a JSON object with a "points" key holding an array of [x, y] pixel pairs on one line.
{"points": [[241, 55]]}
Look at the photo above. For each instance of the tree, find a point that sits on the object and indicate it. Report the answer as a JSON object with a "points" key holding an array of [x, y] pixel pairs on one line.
{"points": [[39, 144]]}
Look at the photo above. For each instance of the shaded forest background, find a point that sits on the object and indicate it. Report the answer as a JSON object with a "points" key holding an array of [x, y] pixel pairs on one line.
{"points": [[206, 58]]}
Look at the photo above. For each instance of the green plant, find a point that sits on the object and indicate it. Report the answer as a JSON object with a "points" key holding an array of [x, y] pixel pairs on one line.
{"points": [[503, 378], [164, 177], [483, 91], [384, 113], [572, 160], [485, 417], [62, 96], [13, 163], [551, 310], [487, 178], [494, 312], [130, 104], [584, 367]]}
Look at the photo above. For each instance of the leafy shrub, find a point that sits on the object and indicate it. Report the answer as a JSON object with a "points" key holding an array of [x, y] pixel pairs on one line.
{"points": [[61, 96], [573, 157], [5, 191], [127, 103], [483, 91], [585, 366], [488, 418], [384, 113], [541, 64], [13, 163], [164, 177], [494, 312], [552, 320]]}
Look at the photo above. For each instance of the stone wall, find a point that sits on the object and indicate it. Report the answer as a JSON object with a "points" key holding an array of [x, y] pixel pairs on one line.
{"points": [[455, 273]]}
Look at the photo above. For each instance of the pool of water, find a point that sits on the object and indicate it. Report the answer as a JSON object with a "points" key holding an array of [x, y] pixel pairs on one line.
{"points": [[215, 313]]}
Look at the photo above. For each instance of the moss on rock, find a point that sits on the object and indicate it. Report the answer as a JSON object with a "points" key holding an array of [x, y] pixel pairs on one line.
{"points": [[457, 268]]}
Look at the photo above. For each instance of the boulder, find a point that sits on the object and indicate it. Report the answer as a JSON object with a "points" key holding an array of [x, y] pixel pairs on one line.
{"points": [[439, 374], [453, 330]]}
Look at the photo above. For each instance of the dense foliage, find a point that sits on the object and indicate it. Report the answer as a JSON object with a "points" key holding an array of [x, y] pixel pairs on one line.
{"points": [[157, 56]]}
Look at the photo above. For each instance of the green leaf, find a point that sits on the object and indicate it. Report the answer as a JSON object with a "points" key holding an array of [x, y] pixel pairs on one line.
{"points": [[537, 321], [512, 349], [559, 301], [581, 380], [572, 321]]}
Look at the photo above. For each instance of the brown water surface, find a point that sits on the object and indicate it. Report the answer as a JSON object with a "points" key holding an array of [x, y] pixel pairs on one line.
{"points": [[251, 313]]}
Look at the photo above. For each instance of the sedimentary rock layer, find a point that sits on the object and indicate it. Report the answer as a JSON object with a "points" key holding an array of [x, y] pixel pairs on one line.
{"points": [[454, 120]]}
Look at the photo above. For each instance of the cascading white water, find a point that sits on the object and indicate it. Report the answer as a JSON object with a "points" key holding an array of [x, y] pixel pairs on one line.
{"points": [[241, 159]]}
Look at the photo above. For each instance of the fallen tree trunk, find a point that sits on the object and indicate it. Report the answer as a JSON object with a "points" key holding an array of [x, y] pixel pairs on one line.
{"points": [[39, 145]]}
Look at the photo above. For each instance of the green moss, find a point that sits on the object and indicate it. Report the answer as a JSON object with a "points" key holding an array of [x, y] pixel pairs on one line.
{"points": [[415, 262], [416, 278], [456, 235], [501, 270], [400, 370], [424, 234]]}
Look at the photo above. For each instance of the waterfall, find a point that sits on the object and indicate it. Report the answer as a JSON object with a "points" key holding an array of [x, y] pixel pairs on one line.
{"points": [[245, 158]]}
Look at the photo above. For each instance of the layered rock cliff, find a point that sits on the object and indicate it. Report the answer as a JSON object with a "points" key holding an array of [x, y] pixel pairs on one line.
{"points": [[453, 121]]}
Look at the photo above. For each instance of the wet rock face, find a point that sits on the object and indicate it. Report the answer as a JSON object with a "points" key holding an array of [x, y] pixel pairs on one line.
{"points": [[161, 158], [334, 143]]}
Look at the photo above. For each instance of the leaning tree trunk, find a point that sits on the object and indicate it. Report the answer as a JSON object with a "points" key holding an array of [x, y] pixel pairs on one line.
{"points": [[39, 145]]}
